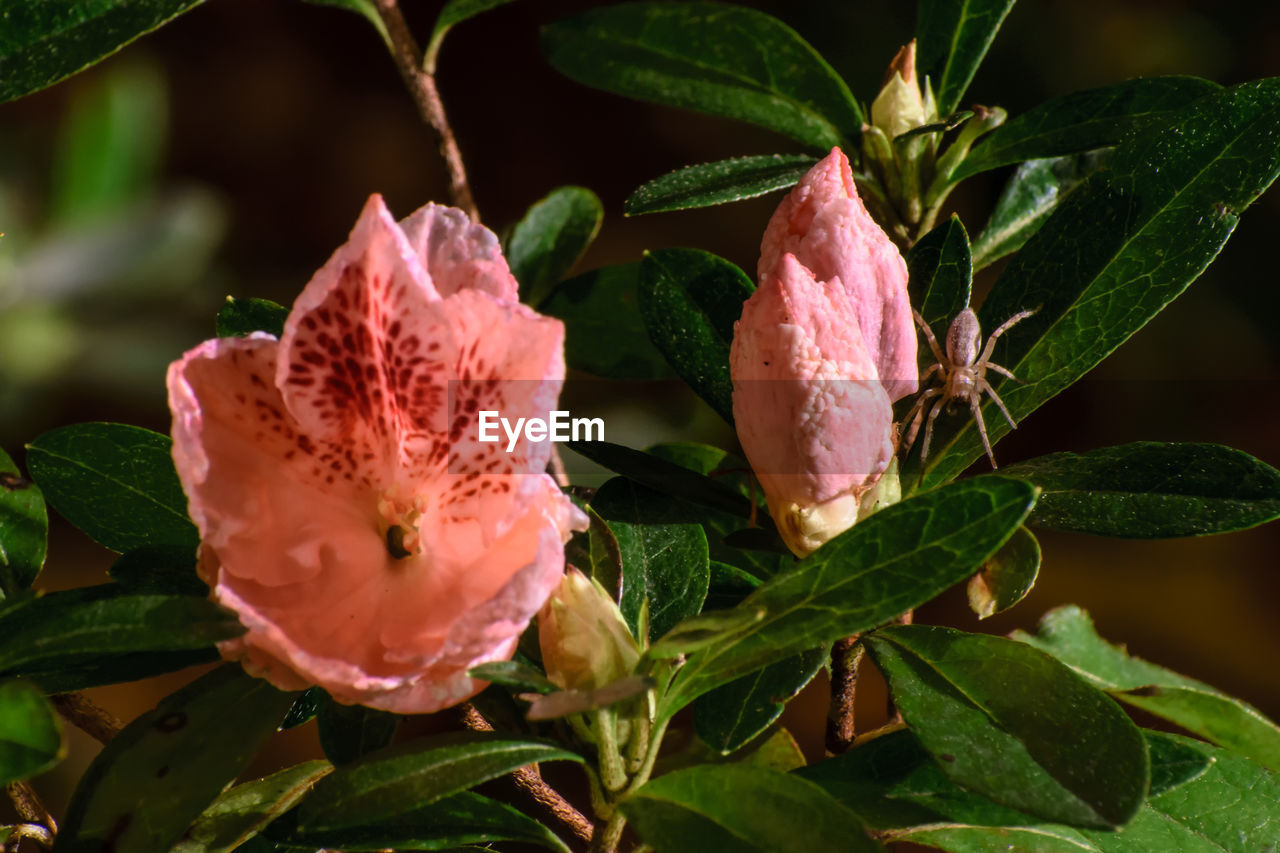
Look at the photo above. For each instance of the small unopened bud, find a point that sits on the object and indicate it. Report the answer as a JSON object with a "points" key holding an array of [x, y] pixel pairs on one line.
{"points": [[900, 107], [585, 642]]}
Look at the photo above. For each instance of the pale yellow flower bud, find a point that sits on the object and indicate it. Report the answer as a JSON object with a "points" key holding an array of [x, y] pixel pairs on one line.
{"points": [[585, 642], [900, 107]]}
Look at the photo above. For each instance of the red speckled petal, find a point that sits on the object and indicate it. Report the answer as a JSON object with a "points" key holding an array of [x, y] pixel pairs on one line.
{"points": [[244, 463], [365, 351], [825, 225], [460, 254]]}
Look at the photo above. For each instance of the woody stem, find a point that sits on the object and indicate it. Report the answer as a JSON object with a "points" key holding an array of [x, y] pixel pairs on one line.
{"points": [[422, 86], [846, 654]]}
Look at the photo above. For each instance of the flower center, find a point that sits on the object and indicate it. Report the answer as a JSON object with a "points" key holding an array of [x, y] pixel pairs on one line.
{"points": [[401, 518]]}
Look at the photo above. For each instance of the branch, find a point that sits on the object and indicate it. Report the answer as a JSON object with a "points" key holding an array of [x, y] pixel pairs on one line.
{"points": [[87, 715], [529, 780], [38, 824], [422, 86], [846, 654]]}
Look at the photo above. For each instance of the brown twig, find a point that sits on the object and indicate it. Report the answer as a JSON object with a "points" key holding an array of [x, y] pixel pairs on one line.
{"points": [[422, 86], [529, 780], [87, 715], [846, 654], [38, 824], [37, 833]]}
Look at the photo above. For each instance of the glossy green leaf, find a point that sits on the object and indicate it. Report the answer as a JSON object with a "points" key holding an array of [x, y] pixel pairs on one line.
{"points": [[115, 482], [154, 778], [454, 12], [665, 565], [663, 476], [1008, 576], [240, 813], [91, 624], [160, 569], [595, 553], [24, 529], [738, 808], [30, 735], [689, 300], [708, 184], [705, 629], [240, 317], [446, 824], [603, 332], [1032, 193], [719, 59], [940, 280], [551, 238], [44, 42], [1068, 634], [1117, 250], [1012, 723], [1152, 490], [728, 717], [1083, 121], [111, 144], [893, 561], [404, 777], [304, 708], [349, 731], [952, 39], [513, 673]]}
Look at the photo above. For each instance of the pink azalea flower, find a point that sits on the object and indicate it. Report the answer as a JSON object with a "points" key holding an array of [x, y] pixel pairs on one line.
{"points": [[824, 347], [348, 513]]}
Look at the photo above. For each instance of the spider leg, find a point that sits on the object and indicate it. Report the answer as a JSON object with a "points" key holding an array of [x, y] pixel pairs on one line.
{"points": [[928, 429], [984, 385], [1004, 371], [928, 333], [982, 427], [915, 415], [1004, 327]]}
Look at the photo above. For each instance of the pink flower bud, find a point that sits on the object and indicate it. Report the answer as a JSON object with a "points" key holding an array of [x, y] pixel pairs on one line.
{"points": [[585, 642], [824, 347]]}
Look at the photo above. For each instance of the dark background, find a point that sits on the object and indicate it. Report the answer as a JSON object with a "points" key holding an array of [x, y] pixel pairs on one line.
{"points": [[282, 117]]}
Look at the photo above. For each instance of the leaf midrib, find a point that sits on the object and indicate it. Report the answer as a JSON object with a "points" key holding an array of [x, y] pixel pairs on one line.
{"points": [[112, 479]]}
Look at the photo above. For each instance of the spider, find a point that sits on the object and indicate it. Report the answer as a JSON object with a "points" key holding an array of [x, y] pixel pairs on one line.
{"points": [[963, 373]]}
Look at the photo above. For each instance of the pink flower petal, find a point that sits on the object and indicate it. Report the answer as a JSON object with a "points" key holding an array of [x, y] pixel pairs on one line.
{"points": [[460, 254], [825, 225]]}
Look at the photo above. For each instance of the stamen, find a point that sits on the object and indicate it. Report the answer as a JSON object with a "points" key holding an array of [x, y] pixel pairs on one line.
{"points": [[396, 541]]}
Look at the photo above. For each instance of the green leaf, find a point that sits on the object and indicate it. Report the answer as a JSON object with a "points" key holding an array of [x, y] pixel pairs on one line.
{"points": [[1117, 250], [44, 42], [240, 317], [30, 736], [665, 565], [115, 482], [604, 334], [513, 673], [75, 627], [663, 476], [689, 300], [893, 561], [703, 630], [739, 808], [1008, 576], [953, 38], [24, 529], [1032, 193], [940, 280], [162, 569], [1083, 121], [730, 716], [1015, 725], [893, 785], [1068, 634], [454, 12], [240, 813], [708, 184], [595, 552], [110, 147], [1152, 490], [551, 238], [719, 59], [403, 777], [349, 731], [461, 819], [304, 708], [154, 778]]}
